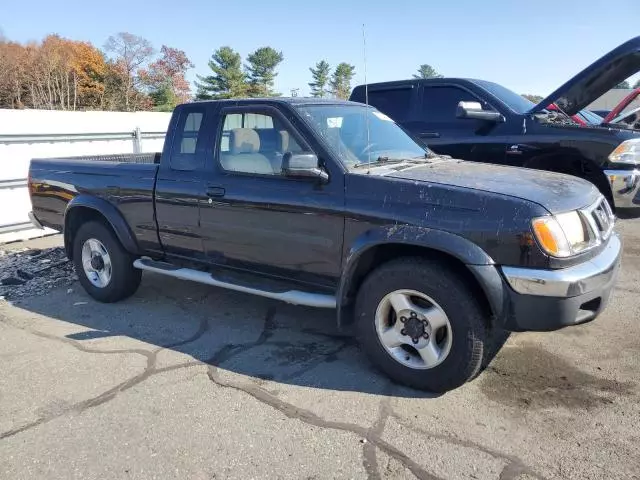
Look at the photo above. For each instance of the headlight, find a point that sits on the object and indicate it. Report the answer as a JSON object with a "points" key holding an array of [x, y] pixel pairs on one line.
{"points": [[561, 235], [627, 152]]}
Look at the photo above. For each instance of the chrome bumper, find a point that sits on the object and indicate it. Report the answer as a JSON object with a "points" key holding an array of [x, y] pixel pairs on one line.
{"points": [[625, 185], [568, 282], [35, 221]]}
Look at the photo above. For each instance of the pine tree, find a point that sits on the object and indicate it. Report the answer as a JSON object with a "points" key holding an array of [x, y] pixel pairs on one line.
{"points": [[227, 81], [427, 71], [341, 80], [320, 84], [261, 71]]}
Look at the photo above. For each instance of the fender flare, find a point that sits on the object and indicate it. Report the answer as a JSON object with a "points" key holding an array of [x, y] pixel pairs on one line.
{"points": [[438, 240], [111, 215]]}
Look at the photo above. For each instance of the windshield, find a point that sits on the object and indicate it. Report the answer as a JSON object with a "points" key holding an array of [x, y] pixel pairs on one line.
{"points": [[344, 127], [511, 99]]}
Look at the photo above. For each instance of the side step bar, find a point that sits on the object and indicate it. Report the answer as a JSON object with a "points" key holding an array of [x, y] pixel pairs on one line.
{"points": [[294, 297]]}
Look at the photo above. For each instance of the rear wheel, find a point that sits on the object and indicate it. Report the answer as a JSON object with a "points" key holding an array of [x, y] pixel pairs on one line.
{"points": [[419, 323], [104, 268]]}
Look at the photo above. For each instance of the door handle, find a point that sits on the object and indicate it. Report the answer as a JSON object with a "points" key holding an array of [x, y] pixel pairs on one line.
{"points": [[215, 192], [429, 135]]}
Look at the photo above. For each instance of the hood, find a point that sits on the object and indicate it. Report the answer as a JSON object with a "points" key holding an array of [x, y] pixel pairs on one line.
{"points": [[595, 80], [554, 191]]}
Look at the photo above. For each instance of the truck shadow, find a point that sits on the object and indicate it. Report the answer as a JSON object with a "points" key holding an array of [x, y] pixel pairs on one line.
{"points": [[242, 334]]}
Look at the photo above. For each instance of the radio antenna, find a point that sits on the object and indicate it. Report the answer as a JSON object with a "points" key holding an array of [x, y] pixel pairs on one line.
{"points": [[366, 98]]}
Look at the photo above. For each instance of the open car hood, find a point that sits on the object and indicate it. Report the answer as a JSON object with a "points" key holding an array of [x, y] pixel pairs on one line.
{"points": [[595, 80]]}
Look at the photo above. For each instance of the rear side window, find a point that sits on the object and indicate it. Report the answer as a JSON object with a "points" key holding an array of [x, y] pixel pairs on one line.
{"points": [[184, 155], [394, 102], [439, 104]]}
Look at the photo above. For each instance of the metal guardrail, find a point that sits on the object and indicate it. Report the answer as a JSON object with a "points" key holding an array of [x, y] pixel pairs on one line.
{"points": [[13, 183], [136, 135], [77, 137]]}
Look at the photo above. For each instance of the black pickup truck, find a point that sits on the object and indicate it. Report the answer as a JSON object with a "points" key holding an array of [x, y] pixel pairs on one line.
{"points": [[330, 204], [485, 122]]}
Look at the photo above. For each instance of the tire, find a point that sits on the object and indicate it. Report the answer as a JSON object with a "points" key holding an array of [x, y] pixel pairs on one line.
{"points": [[496, 338], [426, 283], [123, 278]]}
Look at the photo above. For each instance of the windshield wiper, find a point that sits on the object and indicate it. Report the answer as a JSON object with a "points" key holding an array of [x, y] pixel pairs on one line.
{"points": [[380, 161]]}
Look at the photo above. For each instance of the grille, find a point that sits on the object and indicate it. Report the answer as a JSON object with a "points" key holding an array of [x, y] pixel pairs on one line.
{"points": [[600, 219]]}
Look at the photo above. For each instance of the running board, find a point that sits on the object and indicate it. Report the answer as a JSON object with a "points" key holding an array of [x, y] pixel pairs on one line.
{"points": [[294, 297]]}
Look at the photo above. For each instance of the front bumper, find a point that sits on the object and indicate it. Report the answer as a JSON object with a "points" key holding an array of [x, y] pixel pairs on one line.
{"points": [[36, 223], [625, 186], [543, 300]]}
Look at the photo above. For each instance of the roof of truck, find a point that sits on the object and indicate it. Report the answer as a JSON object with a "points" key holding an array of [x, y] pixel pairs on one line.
{"points": [[289, 100], [415, 81]]}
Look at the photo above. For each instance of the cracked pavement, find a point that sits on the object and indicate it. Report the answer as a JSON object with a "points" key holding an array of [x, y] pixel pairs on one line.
{"points": [[187, 381]]}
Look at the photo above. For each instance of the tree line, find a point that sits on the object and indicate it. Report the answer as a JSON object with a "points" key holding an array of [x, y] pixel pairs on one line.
{"points": [[230, 78], [128, 74], [62, 74]]}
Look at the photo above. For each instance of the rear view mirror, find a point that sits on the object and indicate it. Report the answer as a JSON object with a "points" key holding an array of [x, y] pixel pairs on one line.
{"points": [[474, 111], [303, 165]]}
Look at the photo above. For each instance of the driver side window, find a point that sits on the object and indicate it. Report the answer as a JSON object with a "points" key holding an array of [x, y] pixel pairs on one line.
{"points": [[254, 143], [439, 104]]}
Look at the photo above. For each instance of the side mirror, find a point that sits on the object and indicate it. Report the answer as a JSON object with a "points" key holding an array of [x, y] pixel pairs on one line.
{"points": [[303, 165], [474, 111]]}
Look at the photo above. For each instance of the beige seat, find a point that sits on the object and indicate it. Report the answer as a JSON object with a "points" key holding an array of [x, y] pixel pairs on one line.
{"points": [[243, 155]]}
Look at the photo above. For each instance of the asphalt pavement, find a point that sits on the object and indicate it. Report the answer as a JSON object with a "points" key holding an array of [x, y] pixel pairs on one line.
{"points": [[187, 381]]}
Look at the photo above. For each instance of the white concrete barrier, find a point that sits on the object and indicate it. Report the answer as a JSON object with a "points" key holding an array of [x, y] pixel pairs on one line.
{"points": [[27, 134]]}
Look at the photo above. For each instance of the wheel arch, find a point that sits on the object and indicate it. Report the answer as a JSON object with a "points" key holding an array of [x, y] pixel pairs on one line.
{"points": [[374, 248], [84, 208]]}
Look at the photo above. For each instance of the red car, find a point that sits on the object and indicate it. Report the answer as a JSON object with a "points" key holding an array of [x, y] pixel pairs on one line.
{"points": [[583, 117], [621, 106], [629, 119]]}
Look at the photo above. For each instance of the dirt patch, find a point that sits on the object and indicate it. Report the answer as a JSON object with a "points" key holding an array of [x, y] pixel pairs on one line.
{"points": [[529, 377]]}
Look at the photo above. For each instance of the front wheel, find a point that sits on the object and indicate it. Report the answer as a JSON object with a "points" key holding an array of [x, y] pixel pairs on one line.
{"points": [[419, 323], [104, 268]]}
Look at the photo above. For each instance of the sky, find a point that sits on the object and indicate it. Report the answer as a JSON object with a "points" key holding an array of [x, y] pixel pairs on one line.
{"points": [[531, 47]]}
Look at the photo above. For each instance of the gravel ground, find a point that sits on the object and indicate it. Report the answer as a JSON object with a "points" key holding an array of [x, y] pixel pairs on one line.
{"points": [[33, 271], [186, 381]]}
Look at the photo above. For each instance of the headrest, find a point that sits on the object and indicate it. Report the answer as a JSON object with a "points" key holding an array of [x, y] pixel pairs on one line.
{"points": [[244, 140], [269, 139]]}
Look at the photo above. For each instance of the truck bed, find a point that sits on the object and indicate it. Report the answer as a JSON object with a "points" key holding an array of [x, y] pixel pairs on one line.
{"points": [[125, 181], [153, 157]]}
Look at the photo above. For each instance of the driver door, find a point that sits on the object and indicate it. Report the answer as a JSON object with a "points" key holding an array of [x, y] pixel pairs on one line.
{"points": [[257, 218]]}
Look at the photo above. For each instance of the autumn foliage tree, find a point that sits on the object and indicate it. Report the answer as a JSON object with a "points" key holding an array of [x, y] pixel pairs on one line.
{"points": [[55, 74], [63, 74], [165, 79]]}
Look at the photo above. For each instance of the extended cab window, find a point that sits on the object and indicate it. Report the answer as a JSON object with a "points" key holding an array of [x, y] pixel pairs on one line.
{"points": [[395, 102], [254, 142], [439, 104], [183, 155]]}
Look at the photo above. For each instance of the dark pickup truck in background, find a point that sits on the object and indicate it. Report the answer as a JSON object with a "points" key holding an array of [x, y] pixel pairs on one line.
{"points": [[486, 122], [331, 204]]}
